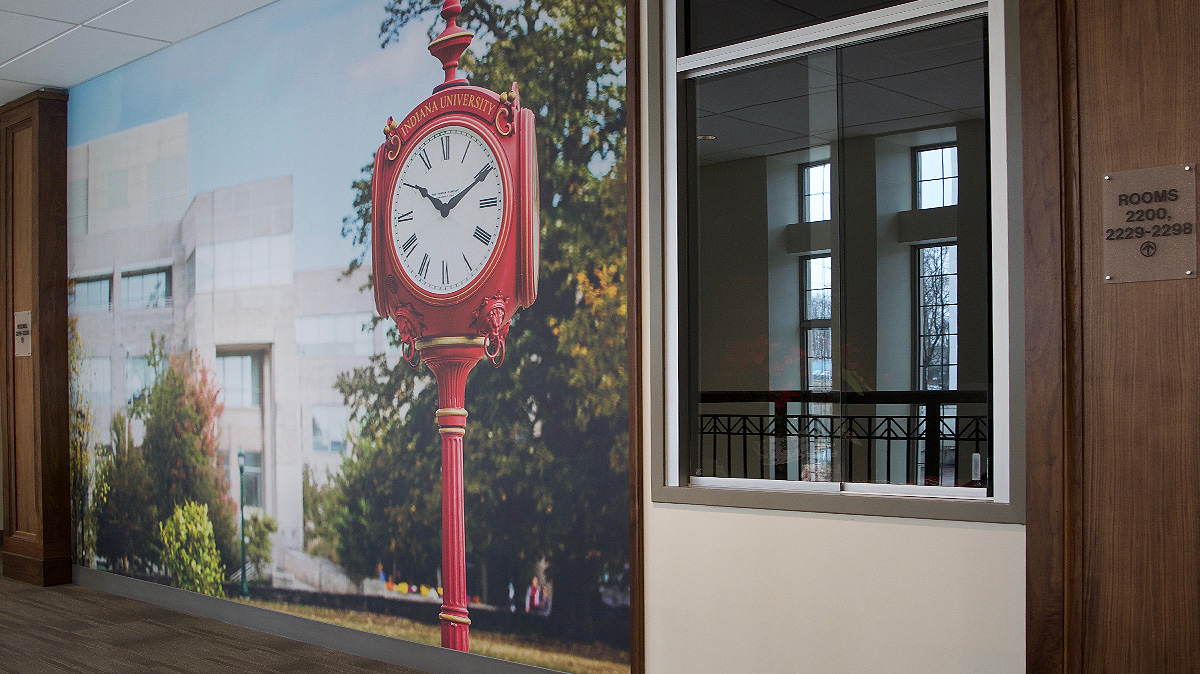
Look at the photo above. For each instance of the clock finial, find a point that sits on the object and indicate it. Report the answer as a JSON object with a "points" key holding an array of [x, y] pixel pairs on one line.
{"points": [[449, 46]]}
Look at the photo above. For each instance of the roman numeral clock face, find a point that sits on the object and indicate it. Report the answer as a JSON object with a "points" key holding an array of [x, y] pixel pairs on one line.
{"points": [[447, 209]]}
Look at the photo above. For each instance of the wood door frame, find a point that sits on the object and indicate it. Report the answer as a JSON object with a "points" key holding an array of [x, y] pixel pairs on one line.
{"points": [[1053, 340], [633, 332], [42, 556]]}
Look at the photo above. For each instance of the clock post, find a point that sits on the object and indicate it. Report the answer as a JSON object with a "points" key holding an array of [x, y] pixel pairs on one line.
{"points": [[454, 248], [451, 360]]}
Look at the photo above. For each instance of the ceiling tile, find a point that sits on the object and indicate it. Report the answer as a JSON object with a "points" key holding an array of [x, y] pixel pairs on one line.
{"points": [[174, 20], [74, 11], [19, 32], [11, 91], [78, 56]]}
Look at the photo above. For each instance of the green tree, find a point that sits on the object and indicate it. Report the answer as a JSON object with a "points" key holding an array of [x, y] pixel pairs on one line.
{"points": [[386, 512], [320, 503], [125, 536], [189, 551], [181, 447], [546, 470], [258, 541], [89, 474]]}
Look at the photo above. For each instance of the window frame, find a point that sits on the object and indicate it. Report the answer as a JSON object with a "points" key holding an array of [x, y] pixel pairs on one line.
{"points": [[916, 173], [666, 248], [804, 193], [256, 474], [345, 441], [143, 365], [917, 320], [73, 307], [257, 365], [167, 300]]}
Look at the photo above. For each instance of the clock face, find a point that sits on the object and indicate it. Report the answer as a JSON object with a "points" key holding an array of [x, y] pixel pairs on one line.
{"points": [[447, 209]]}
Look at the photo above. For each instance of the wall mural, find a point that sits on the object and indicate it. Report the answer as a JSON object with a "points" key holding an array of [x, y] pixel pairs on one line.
{"points": [[230, 372]]}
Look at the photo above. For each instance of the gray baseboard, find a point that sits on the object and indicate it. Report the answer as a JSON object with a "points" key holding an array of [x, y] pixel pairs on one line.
{"points": [[431, 659]]}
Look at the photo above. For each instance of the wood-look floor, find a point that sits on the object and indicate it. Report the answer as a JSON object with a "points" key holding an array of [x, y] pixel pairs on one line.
{"points": [[77, 630]]}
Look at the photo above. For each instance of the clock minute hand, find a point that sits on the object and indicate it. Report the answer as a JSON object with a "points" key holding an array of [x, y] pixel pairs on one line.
{"points": [[483, 172], [437, 203]]}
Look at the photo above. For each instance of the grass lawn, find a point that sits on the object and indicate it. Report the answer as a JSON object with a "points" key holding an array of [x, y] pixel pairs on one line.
{"points": [[594, 659]]}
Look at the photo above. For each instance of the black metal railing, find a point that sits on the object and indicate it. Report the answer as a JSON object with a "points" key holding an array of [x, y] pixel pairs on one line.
{"points": [[843, 436]]}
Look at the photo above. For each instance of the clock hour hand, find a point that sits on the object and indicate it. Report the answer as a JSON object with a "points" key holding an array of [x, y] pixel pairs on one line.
{"points": [[483, 172], [437, 203]]}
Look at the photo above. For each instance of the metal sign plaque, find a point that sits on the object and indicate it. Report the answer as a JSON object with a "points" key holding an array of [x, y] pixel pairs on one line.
{"points": [[1150, 224], [23, 333]]}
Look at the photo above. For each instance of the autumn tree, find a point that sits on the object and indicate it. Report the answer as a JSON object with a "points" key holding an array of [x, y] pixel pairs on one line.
{"points": [[546, 471], [181, 447]]}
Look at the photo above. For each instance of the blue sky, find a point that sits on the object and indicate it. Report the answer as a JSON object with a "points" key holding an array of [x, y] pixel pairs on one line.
{"points": [[299, 88]]}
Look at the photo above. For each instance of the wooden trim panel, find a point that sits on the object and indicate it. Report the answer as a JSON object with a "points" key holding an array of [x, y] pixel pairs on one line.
{"points": [[633, 332], [33, 247]]}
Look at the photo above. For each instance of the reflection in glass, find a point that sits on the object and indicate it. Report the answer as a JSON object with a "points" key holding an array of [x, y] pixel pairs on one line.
{"points": [[817, 193], [937, 177], [714, 23], [826, 271], [938, 310]]}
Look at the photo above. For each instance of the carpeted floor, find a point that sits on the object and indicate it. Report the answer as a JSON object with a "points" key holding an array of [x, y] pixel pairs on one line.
{"points": [[79, 630]]}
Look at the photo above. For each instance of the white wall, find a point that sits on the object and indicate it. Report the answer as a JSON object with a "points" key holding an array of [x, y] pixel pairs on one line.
{"points": [[738, 590], [732, 590]]}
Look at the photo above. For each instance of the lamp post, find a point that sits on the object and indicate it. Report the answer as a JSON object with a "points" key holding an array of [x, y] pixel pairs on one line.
{"points": [[242, 516]]}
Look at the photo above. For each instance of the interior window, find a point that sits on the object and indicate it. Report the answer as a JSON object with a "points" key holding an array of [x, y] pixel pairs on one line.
{"points": [[841, 322], [716, 23]]}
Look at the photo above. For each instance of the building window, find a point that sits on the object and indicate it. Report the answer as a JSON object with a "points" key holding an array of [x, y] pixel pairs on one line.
{"points": [[840, 404], [817, 325], [937, 351], [937, 176], [90, 295], [252, 480], [329, 428], [146, 289], [96, 376], [139, 377], [817, 193], [817, 462], [937, 317], [240, 379], [245, 263], [335, 335]]}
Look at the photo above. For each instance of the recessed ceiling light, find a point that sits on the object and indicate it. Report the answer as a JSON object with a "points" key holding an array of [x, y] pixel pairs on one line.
{"points": [[706, 137]]}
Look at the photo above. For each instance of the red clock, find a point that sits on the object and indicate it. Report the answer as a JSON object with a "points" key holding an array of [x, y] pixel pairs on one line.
{"points": [[454, 248], [455, 210]]}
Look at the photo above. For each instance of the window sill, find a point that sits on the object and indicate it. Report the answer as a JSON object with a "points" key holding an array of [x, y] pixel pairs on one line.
{"points": [[861, 488], [907, 501]]}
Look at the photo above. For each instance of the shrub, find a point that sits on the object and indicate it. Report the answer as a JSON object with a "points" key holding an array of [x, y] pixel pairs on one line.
{"points": [[189, 551], [258, 541]]}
